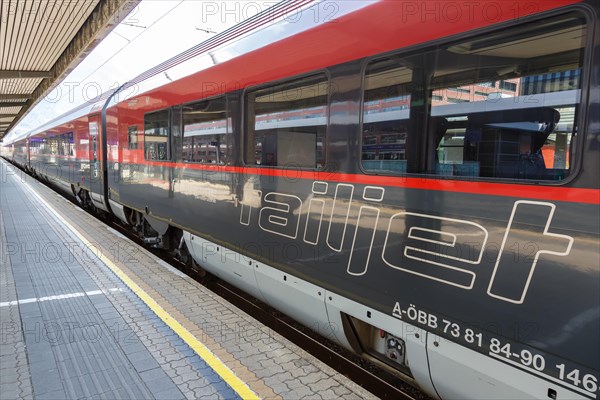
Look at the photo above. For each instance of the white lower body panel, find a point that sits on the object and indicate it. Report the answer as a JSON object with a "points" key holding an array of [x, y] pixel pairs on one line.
{"points": [[459, 372]]}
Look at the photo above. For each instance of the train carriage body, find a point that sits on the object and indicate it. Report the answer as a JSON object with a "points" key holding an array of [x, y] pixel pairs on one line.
{"points": [[416, 181]]}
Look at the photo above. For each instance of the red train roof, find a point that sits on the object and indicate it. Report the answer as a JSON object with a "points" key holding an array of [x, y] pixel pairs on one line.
{"points": [[381, 27]]}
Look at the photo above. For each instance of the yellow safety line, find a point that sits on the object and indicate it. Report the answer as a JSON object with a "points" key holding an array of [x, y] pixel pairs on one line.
{"points": [[211, 359]]}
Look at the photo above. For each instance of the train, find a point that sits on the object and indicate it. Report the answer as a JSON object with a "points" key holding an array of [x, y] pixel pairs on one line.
{"points": [[416, 181]]}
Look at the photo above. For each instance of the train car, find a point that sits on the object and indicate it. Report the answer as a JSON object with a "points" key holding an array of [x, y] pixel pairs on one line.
{"points": [[6, 151], [66, 152], [417, 181], [20, 153]]}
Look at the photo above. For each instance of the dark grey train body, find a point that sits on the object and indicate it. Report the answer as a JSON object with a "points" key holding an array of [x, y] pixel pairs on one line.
{"points": [[374, 267]]}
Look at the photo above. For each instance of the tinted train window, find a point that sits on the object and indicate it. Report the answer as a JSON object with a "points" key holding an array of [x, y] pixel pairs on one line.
{"points": [[50, 145], [386, 116], [514, 116], [206, 132], [502, 105], [132, 133], [286, 124], [156, 135], [69, 144]]}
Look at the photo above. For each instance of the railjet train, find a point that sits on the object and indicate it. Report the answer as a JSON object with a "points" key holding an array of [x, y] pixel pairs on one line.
{"points": [[418, 181]]}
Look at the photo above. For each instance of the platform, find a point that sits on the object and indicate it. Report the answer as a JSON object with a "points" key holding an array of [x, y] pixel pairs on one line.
{"points": [[85, 313]]}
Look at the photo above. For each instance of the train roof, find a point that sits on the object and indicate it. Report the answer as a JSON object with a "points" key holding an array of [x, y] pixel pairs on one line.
{"points": [[278, 22], [78, 112], [275, 24]]}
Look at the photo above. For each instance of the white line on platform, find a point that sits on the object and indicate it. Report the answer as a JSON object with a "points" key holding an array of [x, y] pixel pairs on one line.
{"points": [[58, 297]]}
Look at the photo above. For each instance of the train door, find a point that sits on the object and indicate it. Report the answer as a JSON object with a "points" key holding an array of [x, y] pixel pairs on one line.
{"points": [[174, 146], [27, 154], [96, 178], [93, 149]]}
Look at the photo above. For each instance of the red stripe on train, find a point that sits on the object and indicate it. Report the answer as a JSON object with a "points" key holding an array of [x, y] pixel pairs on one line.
{"points": [[538, 192]]}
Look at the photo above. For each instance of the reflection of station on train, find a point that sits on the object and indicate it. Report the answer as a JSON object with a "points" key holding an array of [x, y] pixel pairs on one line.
{"points": [[205, 140], [384, 145]]}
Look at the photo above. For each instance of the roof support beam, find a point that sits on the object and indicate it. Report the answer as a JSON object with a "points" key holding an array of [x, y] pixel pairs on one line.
{"points": [[9, 115], [16, 74], [12, 103], [23, 96]]}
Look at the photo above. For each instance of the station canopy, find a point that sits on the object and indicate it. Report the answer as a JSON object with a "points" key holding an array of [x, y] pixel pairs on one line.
{"points": [[41, 42]]}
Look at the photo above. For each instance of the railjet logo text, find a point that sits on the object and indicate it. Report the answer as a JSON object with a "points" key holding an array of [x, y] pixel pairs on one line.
{"points": [[445, 250]]}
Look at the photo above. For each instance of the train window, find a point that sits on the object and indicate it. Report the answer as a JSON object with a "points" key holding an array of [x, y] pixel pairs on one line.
{"points": [[156, 135], [50, 145], [34, 146], [65, 144], [60, 149], [386, 112], [206, 132], [505, 105], [501, 105], [286, 123], [132, 133]]}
